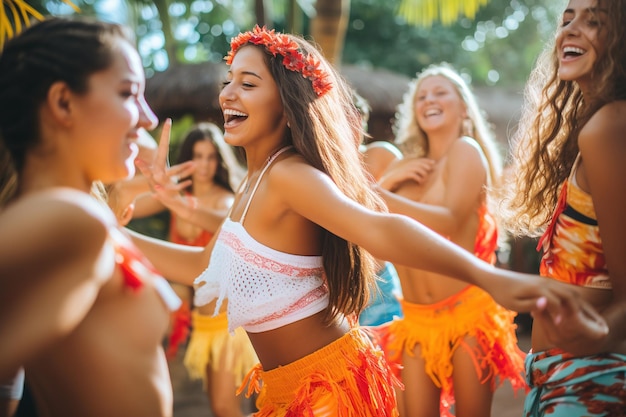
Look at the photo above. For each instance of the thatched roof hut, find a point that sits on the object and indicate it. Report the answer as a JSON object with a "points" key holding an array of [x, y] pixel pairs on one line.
{"points": [[187, 89]]}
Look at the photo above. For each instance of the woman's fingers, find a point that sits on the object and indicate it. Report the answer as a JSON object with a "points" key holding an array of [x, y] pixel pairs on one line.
{"points": [[571, 323], [164, 145], [180, 171]]}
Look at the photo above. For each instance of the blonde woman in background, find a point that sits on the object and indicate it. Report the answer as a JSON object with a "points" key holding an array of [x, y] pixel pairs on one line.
{"points": [[455, 343]]}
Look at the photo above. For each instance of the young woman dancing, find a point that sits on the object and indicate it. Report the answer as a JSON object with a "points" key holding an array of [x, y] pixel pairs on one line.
{"points": [[293, 256], [567, 183], [81, 310]]}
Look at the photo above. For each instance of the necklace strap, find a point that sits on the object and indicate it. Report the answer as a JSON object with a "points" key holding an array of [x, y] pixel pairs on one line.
{"points": [[258, 180]]}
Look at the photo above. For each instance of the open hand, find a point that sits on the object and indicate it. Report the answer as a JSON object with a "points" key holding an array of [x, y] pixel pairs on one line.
{"points": [[160, 176]]}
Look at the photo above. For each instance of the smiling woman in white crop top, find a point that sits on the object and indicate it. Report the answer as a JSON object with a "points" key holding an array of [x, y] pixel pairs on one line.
{"points": [[266, 288], [293, 258]]}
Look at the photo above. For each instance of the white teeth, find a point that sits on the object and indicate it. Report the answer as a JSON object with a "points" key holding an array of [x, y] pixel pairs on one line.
{"points": [[573, 49], [231, 112], [432, 112]]}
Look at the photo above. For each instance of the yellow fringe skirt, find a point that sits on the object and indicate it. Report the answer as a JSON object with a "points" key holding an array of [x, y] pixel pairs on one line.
{"points": [[441, 328], [211, 344], [347, 378]]}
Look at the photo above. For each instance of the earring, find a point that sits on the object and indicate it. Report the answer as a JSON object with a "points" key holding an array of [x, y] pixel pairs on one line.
{"points": [[468, 127]]}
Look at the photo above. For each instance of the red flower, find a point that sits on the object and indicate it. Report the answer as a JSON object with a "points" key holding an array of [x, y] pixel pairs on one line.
{"points": [[293, 58]]}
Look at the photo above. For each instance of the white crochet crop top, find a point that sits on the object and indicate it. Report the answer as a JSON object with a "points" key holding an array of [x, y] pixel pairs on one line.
{"points": [[266, 289]]}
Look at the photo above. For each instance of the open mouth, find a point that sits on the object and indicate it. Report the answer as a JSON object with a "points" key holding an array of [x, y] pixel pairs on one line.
{"points": [[233, 116], [432, 112], [572, 52]]}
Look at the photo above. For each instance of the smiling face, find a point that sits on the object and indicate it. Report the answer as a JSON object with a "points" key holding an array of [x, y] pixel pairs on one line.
{"points": [[109, 117], [580, 41], [438, 104], [250, 100]]}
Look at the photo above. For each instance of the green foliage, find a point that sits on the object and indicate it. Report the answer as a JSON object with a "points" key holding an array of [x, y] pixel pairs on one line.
{"points": [[499, 46]]}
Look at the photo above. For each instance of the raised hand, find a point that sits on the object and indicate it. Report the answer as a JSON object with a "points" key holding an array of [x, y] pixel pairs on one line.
{"points": [[160, 176]]}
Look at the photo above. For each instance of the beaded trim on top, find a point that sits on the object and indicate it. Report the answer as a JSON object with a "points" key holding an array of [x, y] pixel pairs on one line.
{"points": [[293, 59]]}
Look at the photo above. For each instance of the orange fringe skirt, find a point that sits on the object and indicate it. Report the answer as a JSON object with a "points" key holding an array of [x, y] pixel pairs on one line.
{"points": [[211, 344], [441, 328], [347, 378]]}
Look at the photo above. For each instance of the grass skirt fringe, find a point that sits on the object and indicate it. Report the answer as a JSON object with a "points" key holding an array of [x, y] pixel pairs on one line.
{"points": [[348, 378], [211, 343], [441, 328]]}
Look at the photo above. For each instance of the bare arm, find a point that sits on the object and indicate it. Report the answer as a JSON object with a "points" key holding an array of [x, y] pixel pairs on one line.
{"points": [[178, 263], [407, 169], [378, 156], [193, 210], [401, 240]]}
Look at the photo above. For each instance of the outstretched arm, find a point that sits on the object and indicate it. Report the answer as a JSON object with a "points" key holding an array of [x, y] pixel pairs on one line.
{"points": [[401, 240], [177, 263]]}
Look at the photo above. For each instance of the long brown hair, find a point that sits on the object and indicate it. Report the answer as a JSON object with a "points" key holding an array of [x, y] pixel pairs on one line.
{"points": [[326, 130], [229, 172]]}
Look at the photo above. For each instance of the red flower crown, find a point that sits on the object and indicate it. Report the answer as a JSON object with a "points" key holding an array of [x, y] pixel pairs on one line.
{"points": [[293, 59]]}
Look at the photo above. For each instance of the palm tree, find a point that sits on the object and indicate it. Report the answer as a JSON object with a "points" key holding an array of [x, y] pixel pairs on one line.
{"points": [[328, 27], [15, 15], [425, 12]]}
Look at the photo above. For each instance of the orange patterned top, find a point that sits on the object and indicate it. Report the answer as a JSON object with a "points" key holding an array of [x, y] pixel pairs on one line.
{"points": [[572, 245]]}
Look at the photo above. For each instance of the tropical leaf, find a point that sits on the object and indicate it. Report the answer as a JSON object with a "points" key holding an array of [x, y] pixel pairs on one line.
{"points": [[15, 15], [425, 12]]}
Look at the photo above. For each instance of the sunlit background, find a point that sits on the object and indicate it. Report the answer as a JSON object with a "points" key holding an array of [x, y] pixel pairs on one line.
{"points": [[496, 45]]}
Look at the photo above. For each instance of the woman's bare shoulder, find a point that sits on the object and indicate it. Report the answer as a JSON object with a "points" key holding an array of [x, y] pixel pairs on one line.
{"points": [[607, 125], [466, 149], [60, 205], [383, 146], [53, 221]]}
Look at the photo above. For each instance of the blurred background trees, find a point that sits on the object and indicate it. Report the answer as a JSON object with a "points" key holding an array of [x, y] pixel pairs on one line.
{"points": [[495, 42]]}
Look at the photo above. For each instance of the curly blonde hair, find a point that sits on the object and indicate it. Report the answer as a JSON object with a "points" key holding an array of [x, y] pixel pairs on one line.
{"points": [[413, 141]]}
